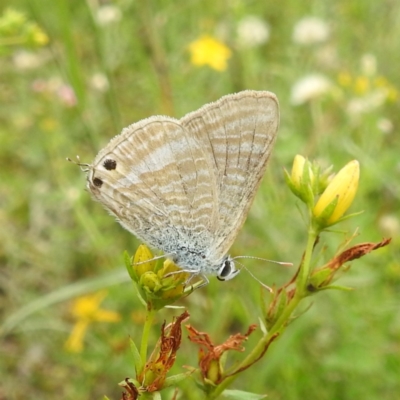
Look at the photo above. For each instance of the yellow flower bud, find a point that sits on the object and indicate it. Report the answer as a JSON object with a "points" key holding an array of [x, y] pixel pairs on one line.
{"points": [[140, 265], [150, 282], [214, 371], [159, 284], [301, 180], [297, 170], [339, 195]]}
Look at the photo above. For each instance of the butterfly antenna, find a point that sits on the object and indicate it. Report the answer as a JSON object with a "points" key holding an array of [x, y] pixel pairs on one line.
{"points": [[84, 167], [288, 264], [254, 277]]}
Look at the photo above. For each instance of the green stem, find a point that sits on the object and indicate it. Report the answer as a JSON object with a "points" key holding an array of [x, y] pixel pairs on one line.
{"points": [[145, 336], [302, 278], [280, 324], [154, 41]]}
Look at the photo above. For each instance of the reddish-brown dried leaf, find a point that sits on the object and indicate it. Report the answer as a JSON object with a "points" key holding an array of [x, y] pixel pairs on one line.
{"points": [[163, 357], [131, 392], [211, 353], [355, 252]]}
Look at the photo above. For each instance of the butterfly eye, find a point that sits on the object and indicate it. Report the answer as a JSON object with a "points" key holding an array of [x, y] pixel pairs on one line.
{"points": [[227, 271]]}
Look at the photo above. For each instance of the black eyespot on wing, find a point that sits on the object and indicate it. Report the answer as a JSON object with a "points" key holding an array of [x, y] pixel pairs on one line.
{"points": [[109, 164], [97, 182]]}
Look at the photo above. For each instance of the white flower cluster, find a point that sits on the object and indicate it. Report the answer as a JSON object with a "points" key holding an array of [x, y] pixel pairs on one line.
{"points": [[309, 88], [25, 60], [366, 104], [252, 31], [108, 14], [310, 30]]}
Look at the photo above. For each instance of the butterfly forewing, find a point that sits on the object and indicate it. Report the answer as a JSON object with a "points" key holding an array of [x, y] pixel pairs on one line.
{"points": [[167, 183]]}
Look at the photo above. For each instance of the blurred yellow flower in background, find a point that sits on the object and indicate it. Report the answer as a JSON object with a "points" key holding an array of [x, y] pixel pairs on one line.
{"points": [[38, 36], [361, 85], [211, 52], [366, 91], [85, 310], [17, 30], [344, 79]]}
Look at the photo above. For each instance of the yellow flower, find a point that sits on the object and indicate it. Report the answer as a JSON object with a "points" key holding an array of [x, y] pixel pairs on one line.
{"points": [[361, 85], [211, 52], [381, 81], [392, 94], [175, 282], [49, 124], [85, 310], [159, 283], [74, 343], [338, 196], [39, 37], [19, 30]]}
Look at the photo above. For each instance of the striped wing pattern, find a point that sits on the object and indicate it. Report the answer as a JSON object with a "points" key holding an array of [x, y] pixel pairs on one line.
{"points": [[239, 132], [165, 184]]}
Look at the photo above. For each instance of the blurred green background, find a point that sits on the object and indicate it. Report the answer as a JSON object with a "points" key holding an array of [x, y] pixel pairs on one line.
{"points": [[87, 69]]}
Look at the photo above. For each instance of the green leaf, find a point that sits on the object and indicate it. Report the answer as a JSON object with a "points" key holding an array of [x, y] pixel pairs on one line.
{"points": [[276, 307], [282, 303], [136, 357], [175, 379], [128, 265], [288, 180], [347, 217], [322, 218], [338, 287], [262, 326], [241, 395], [320, 279]]}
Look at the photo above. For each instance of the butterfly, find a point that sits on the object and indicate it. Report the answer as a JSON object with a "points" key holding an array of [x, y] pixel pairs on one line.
{"points": [[185, 186]]}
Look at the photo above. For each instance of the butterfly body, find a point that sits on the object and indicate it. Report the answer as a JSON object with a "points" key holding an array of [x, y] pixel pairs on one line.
{"points": [[185, 186]]}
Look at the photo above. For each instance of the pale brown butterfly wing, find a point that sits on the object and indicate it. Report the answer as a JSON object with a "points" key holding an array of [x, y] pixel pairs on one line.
{"points": [[239, 131]]}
